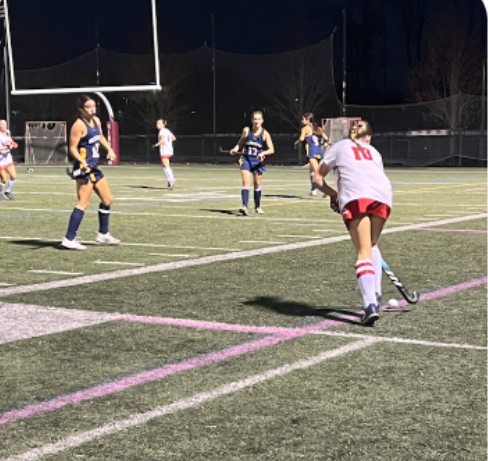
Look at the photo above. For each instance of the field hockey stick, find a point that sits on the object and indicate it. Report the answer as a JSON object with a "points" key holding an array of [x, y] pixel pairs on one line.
{"points": [[411, 298], [73, 174]]}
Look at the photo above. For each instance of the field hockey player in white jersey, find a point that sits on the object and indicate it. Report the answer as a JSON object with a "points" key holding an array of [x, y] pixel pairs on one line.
{"points": [[165, 144], [364, 198], [6, 162]]}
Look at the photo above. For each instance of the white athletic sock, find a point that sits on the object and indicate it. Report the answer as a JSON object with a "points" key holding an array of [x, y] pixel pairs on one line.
{"points": [[378, 270], [169, 174], [366, 281], [2, 187], [11, 184]]}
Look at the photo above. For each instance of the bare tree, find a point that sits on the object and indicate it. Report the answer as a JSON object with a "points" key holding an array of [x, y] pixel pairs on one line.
{"points": [[167, 103], [451, 67], [300, 87]]}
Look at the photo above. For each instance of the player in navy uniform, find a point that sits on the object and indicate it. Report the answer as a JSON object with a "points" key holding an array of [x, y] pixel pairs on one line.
{"points": [[315, 139], [85, 138], [253, 140]]}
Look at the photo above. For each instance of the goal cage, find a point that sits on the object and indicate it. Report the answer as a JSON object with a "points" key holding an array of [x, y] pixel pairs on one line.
{"points": [[338, 128], [45, 143]]}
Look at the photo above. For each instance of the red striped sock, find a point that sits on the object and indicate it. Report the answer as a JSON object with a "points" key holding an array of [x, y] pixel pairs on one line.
{"points": [[366, 280]]}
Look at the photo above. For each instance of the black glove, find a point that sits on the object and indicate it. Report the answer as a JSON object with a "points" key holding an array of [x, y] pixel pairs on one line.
{"points": [[334, 204]]}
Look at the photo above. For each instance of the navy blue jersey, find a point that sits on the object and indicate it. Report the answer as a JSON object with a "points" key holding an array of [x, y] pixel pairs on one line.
{"points": [[254, 144], [314, 145], [90, 143], [88, 149]]}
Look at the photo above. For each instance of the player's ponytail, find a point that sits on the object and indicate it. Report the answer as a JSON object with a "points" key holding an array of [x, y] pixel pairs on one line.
{"points": [[316, 129]]}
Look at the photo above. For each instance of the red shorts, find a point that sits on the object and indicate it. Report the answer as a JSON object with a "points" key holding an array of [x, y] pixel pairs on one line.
{"points": [[365, 206]]}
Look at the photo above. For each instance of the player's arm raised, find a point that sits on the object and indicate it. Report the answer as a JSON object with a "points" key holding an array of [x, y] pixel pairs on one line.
{"points": [[103, 141], [240, 143]]}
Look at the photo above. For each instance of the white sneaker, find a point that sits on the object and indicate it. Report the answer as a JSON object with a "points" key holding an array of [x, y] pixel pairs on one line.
{"points": [[313, 193], [171, 184], [72, 244], [243, 210], [107, 238], [259, 210]]}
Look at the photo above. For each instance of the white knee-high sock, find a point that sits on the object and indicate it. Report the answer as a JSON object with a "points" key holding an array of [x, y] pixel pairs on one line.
{"points": [[378, 270], [169, 174], [366, 280], [11, 184]]}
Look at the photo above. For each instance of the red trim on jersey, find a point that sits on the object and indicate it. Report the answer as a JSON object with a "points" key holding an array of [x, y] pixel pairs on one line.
{"points": [[365, 206], [5, 166], [365, 272]]}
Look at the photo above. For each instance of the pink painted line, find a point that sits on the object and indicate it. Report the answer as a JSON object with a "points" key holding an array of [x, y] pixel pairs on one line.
{"points": [[153, 375], [433, 229]]}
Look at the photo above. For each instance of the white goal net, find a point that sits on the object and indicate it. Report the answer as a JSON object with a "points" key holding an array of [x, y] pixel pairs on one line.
{"points": [[45, 143]]}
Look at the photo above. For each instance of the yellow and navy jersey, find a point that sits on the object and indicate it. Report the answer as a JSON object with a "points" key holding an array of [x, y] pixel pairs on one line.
{"points": [[314, 145], [254, 144], [90, 143]]}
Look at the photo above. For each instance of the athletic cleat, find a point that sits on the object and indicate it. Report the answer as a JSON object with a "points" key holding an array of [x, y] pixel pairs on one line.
{"points": [[171, 184], [313, 193], [72, 244], [2, 197], [370, 315], [9, 195], [107, 238], [243, 210], [259, 210]]}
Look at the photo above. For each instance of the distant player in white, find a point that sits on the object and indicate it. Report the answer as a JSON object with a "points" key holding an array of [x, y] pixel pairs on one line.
{"points": [[6, 161], [364, 198], [165, 144]]}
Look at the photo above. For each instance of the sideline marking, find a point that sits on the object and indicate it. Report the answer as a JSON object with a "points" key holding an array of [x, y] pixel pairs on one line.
{"points": [[216, 258], [281, 335], [197, 399], [118, 263], [55, 272]]}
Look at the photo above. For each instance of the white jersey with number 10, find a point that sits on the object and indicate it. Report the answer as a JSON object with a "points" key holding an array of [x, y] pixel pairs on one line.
{"points": [[358, 172]]}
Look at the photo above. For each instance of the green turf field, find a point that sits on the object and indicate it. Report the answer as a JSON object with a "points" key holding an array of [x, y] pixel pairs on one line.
{"points": [[210, 336]]}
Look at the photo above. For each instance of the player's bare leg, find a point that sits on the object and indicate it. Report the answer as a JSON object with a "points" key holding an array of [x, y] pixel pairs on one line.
{"points": [[258, 177], [12, 172], [3, 183], [360, 230], [246, 184], [84, 188], [313, 167], [102, 189], [168, 171]]}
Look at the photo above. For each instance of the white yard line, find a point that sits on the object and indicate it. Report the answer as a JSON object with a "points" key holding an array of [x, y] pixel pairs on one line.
{"points": [[24, 321], [215, 258], [119, 263], [261, 241], [300, 236], [189, 402], [401, 340], [55, 272], [171, 255]]}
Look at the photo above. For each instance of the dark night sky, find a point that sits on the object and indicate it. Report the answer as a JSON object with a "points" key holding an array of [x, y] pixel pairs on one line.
{"points": [[249, 27]]}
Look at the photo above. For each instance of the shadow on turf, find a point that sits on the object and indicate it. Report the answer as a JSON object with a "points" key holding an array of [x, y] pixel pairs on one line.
{"points": [[295, 309], [282, 196], [231, 212], [148, 187], [38, 244]]}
